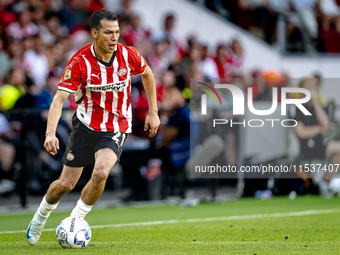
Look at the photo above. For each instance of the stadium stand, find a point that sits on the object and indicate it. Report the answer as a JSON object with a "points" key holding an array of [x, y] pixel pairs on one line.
{"points": [[37, 38]]}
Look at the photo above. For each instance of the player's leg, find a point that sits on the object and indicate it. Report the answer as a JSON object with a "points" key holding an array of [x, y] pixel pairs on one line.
{"points": [[105, 159], [66, 182]]}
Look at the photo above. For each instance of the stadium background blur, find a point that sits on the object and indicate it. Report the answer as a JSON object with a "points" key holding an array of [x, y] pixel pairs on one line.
{"points": [[37, 38]]}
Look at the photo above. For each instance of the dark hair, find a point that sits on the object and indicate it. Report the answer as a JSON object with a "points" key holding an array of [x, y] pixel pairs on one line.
{"points": [[97, 16], [49, 15]]}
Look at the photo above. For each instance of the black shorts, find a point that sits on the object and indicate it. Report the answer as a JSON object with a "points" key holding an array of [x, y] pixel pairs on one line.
{"points": [[83, 143]]}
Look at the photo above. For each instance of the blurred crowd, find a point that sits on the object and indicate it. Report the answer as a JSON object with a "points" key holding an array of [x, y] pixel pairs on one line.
{"points": [[309, 25], [38, 37]]}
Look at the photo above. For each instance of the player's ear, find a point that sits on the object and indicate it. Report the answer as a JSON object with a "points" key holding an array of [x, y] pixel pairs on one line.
{"points": [[94, 33]]}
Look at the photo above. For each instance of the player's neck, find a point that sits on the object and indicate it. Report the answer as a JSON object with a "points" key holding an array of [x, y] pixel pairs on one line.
{"points": [[101, 54]]}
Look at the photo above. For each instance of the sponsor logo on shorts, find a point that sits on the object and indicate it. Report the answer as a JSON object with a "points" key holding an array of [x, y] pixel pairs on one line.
{"points": [[70, 156]]}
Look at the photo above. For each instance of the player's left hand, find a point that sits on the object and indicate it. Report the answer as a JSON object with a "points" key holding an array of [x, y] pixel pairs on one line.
{"points": [[153, 122]]}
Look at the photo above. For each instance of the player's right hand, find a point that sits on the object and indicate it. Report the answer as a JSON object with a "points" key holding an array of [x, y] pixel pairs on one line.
{"points": [[51, 144]]}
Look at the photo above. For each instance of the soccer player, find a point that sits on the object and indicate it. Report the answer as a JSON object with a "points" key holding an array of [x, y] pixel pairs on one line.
{"points": [[99, 76]]}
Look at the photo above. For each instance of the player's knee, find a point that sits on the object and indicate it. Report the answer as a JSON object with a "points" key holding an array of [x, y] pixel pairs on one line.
{"points": [[100, 174], [67, 186]]}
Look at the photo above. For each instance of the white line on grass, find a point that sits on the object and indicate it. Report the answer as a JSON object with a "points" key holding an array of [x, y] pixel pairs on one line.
{"points": [[194, 242], [237, 217]]}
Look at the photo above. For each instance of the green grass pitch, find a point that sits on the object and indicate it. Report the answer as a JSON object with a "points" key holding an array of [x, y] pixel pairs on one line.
{"points": [[306, 225]]}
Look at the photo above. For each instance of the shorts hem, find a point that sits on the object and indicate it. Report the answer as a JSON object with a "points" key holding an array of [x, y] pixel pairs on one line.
{"points": [[114, 148]]}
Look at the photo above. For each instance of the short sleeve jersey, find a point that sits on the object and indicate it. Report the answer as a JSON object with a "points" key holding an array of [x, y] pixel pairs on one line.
{"points": [[103, 90]]}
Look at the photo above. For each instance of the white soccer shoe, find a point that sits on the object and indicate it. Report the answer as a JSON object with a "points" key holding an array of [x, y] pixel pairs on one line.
{"points": [[34, 231]]}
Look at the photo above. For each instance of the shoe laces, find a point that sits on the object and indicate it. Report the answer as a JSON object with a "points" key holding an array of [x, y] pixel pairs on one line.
{"points": [[37, 227]]}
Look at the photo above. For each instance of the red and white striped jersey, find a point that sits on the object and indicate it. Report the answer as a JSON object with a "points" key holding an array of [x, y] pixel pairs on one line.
{"points": [[103, 90]]}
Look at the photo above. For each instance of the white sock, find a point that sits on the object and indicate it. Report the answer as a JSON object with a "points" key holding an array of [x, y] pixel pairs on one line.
{"points": [[45, 209], [81, 209]]}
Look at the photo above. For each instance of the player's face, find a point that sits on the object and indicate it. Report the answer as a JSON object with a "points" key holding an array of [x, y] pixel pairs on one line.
{"points": [[108, 35]]}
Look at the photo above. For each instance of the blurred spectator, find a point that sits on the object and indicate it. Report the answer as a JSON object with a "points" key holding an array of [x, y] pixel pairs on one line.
{"points": [[7, 16], [306, 12], [140, 103], [45, 98], [135, 33], [228, 62], [51, 31], [11, 92], [7, 150], [23, 27], [310, 129], [194, 57], [176, 134], [62, 31], [311, 25], [221, 60], [125, 10], [207, 65], [280, 6], [4, 60], [330, 14], [27, 99], [33, 122], [318, 79], [7, 155], [263, 83], [96, 5], [287, 82], [158, 59], [264, 17], [273, 78], [15, 52], [167, 33], [234, 56], [37, 62], [75, 14], [258, 86], [58, 56], [37, 12], [192, 72]]}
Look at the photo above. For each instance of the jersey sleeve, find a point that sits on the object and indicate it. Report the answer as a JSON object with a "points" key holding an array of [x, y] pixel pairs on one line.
{"points": [[71, 77], [138, 65]]}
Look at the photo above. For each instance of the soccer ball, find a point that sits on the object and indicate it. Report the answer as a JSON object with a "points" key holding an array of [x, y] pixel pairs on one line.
{"points": [[73, 232]]}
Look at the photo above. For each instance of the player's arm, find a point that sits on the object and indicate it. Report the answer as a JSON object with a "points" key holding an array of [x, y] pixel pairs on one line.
{"points": [[152, 119], [51, 144]]}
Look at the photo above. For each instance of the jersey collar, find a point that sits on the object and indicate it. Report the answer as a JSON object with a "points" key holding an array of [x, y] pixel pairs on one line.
{"points": [[108, 64]]}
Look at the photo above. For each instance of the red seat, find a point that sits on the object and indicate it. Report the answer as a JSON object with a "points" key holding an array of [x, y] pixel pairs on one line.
{"points": [[331, 40]]}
